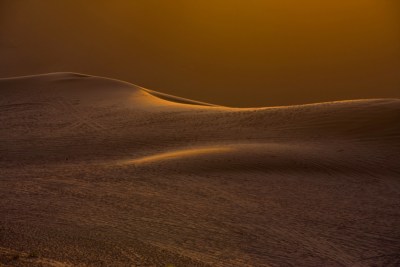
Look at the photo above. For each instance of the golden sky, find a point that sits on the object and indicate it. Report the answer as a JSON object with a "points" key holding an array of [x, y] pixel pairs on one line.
{"points": [[229, 52]]}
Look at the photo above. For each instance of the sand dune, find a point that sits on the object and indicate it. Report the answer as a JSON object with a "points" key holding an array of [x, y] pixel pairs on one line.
{"points": [[96, 171]]}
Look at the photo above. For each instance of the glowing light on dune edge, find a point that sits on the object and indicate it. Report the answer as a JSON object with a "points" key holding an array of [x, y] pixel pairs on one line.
{"points": [[177, 154]]}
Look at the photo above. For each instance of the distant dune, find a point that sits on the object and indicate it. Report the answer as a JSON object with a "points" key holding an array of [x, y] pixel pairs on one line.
{"points": [[100, 172]]}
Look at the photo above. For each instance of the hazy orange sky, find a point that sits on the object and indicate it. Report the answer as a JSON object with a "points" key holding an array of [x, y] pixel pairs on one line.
{"points": [[229, 52]]}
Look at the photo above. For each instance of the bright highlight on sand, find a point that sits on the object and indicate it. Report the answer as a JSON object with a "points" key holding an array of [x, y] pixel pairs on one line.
{"points": [[178, 154]]}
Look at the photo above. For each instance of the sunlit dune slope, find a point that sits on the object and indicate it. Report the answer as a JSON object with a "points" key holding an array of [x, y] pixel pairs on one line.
{"points": [[99, 171], [66, 111]]}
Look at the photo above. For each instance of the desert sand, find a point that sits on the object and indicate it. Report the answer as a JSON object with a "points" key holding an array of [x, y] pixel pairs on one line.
{"points": [[99, 172]]}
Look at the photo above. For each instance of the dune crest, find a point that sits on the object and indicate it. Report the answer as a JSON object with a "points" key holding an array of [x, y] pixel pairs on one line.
{"points": [[96, 171], [178, 154]]}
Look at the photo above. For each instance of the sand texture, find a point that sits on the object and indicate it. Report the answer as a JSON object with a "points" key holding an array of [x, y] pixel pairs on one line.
{"points": [[99, 172]]}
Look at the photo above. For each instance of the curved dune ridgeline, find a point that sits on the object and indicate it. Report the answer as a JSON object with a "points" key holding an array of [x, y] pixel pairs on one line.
{"points": [[96, 171]]}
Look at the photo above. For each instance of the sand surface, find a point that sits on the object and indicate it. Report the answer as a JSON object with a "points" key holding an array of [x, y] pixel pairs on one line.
{"points": [[98, 172]]}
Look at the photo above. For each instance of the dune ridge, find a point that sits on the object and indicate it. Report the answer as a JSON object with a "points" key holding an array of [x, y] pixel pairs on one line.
{"points": [[97, 171]]}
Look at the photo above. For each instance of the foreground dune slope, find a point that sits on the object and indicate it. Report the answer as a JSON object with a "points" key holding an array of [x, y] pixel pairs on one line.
{"points": [[95, 171]]}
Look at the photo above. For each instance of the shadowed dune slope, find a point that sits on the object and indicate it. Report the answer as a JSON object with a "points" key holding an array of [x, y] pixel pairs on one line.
{"points": [[96, 171]]}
